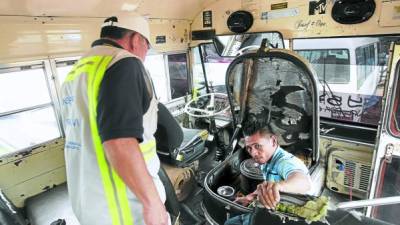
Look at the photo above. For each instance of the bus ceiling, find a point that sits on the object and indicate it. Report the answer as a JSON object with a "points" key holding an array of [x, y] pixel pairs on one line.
{"points": [[37, 28]]}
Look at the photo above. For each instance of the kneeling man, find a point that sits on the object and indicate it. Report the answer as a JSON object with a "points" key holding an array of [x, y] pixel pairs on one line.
{"points": [[282, 171]]}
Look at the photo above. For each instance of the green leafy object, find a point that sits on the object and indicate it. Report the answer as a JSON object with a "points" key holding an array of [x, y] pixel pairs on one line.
{"points": [[314, 210]]}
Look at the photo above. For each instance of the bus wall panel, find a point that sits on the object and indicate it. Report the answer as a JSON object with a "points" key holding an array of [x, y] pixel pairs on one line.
{"points": [[28, 173], [295, 21]]}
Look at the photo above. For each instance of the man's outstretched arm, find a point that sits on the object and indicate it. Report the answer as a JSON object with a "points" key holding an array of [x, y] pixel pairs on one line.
{"points": [[297, 182]]}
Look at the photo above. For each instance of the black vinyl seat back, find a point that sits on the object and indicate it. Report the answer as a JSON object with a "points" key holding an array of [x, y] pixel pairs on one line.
{"points": [[275, 88], [169, 134], [176, 145]]}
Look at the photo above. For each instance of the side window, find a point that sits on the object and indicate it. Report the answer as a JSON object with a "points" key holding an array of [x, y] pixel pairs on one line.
{"points": [[156, 67], [286, 43], [178, 75], [215, 67], [63, 68], [169, 74], [332, 65], [365, 61], [197, 70], [25, 108], [351, 73]]}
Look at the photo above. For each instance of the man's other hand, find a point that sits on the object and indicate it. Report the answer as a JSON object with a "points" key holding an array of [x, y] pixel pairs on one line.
{"points": [[268, 194], [246, 200], [156, 214]]}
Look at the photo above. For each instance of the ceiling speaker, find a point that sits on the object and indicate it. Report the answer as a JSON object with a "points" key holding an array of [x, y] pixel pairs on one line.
{"points": [[353, 11], [240, 21]]}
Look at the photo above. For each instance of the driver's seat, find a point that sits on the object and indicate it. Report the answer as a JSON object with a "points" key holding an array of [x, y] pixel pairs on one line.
{"points": [[176, 145]]}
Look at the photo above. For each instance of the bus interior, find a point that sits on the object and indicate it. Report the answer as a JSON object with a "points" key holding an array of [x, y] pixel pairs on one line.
{"points": [[325, 72]]}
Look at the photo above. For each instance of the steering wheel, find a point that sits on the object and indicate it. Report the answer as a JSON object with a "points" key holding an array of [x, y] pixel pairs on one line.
{"points": [[247, 48], [211, 109]]}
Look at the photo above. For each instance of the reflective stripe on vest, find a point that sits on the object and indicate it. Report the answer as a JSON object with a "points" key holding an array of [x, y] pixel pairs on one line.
{"points": [[94, 68]]}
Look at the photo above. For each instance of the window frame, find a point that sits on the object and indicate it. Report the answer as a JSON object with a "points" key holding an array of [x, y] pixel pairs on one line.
{"points": [[54, 103]]}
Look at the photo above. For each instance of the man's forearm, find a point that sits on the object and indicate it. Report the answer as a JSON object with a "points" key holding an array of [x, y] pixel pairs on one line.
{"points": [[125, 157], [297, 182]]}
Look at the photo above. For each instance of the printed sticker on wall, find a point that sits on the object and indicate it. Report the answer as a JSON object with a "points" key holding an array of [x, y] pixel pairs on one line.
{"points": [[160, 39], [282, 5], [207, 18], [317, 7], [282, 13]]}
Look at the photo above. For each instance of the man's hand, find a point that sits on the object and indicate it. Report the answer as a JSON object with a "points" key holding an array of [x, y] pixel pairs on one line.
{"points": [[268, 194], [246, 200], [126, 158], [155, 214]]}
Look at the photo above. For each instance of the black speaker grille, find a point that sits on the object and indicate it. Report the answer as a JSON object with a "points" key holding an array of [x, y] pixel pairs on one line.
{"points": [[353, 11], [240, 21]]}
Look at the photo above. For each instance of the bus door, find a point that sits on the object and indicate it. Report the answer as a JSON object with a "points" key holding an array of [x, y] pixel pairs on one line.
{"points": [[386, 170]]}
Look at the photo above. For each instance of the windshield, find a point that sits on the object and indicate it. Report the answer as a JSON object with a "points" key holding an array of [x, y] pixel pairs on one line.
{"points": [[215, 67], [351, 73]]}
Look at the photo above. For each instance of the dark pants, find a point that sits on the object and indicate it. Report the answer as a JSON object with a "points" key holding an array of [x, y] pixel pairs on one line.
{"points": [[243, 219]]}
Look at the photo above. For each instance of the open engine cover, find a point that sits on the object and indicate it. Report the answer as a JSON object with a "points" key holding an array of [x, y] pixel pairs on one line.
{"points": [[275, 88]]}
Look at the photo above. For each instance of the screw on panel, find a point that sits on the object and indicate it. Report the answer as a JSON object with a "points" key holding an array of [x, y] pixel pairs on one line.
{"points": [[389, 153]]}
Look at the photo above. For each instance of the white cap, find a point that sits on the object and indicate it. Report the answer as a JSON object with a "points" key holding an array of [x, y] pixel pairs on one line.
{"points": [[130, 21]]}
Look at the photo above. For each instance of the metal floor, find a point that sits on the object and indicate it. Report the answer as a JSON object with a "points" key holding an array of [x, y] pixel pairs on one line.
{"points": [[54, 204], [50, 206]]}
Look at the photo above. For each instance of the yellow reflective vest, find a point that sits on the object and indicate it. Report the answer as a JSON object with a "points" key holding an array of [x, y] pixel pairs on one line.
{"points": [[98, 195]]}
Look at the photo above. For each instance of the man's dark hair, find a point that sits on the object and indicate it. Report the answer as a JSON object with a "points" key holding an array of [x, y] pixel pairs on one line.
{"points": [[251, 127], [263, 131], [113, 32]]}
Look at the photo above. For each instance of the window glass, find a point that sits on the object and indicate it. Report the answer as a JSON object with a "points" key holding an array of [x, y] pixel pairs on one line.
{"points": [[178, 75], [332, 66], [63, 68], [197, 70], [156, 66], [365, 61], [62, 73], [351, 74], [286, 43], [26, 129], [215, 67], [23, 89], [28, 116]]}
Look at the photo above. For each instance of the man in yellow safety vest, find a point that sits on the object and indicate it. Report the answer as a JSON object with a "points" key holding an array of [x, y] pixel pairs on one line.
{"points": [[110, 117]]}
